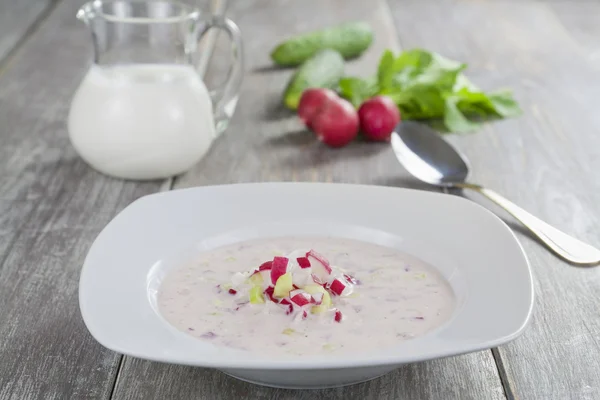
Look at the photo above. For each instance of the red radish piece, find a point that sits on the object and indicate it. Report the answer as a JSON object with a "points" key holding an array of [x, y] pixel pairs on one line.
{"points": [[338, 316], [336, 124], [304, 314], [269, 292], [265, 266], [351, 279], [318, 280], [300, 297], [312, 101], [320, 260], [232, 291], [337, 287], [285, 302], [378, 118], [289, 310], [303, 262], [278, 268], [317, 298], [320, 267]]}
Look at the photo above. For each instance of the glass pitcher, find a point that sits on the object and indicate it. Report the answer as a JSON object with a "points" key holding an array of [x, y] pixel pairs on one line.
{"points": [[142, 111]]}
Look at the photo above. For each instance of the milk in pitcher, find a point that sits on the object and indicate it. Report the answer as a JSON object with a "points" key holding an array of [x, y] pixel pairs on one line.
{"points": [[142, 121]]}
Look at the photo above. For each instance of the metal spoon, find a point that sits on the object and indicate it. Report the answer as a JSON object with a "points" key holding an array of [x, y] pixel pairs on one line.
{"points": [[428, 157]]}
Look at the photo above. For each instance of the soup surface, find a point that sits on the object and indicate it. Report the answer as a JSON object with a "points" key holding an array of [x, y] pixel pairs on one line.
{"points": [[382, 296]]}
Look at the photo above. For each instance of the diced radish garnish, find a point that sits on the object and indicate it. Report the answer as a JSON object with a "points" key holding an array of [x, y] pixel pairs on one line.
{"points": [[232, 291], [322, 260], [269, 292], [317, 280], [337, 287], [338, 316], [301, 277], [278, 268], [317, 298], [320, 265], [265, 266], [300, 297], [289, 310], [351, 279], [304, 314], [303, 262], [284, 302]]}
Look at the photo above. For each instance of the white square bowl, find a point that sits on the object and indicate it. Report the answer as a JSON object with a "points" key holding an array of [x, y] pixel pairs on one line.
{"points": [[474, 250]]}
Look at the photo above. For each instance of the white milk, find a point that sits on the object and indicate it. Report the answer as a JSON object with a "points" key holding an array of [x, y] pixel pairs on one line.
{"points": [[142, 121]]}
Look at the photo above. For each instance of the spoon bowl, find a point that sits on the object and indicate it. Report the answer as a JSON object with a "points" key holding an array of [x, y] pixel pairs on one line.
{"points": [[427, 157]]}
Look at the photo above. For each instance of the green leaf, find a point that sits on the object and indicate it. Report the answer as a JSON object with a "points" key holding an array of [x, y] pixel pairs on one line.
{"points": [[357, 90], [428, 86], [419, 102], [454, 119], [504, 103], [385, 71]]}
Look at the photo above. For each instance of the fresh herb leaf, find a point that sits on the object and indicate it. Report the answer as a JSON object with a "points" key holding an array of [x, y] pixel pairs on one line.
{"points": [[386, 71], [357, 90], [427, 85], [454, 119], [505, 105]]}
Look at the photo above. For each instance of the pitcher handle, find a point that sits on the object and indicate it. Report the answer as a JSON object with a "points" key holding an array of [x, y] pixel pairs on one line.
{"points": [[225, 97]]}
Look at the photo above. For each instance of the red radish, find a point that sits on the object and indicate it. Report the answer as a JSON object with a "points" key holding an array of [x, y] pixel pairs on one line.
{"points": [[320, 260], [337, 287], [338, 316], [303, 262], [285, 302], [336, 124], [304, 315], [232, 291], [265, 266], [312, 101], [278, 268], [300, 297], [289, 310], [378, 118]]}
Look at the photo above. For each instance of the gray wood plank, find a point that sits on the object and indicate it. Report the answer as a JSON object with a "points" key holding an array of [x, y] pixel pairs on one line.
{"points": [[546, 161], [16, 20], [266, 143], [453, 378], [51, 208]]}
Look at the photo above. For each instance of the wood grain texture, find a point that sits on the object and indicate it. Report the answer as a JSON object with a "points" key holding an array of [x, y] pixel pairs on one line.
{"points": [[266, 143], [51, 208], [547, 161], [16, 20]]}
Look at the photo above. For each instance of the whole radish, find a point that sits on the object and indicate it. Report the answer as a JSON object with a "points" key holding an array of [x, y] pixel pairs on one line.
{"points": [[336, 123], [378, 118], [312, 101]]}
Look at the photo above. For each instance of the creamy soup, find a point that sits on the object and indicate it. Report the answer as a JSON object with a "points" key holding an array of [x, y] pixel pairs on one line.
{"points": [[305, 296]]}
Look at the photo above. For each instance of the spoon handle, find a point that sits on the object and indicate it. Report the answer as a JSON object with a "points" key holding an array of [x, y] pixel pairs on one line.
{"points": [[567, 247]]}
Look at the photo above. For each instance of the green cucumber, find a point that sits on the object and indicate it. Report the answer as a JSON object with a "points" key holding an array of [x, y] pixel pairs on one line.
{"points": [[350, 39], [323, 70]]}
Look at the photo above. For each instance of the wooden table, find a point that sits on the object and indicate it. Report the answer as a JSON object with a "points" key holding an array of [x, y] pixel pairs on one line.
{"points": [[52, 205]]}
